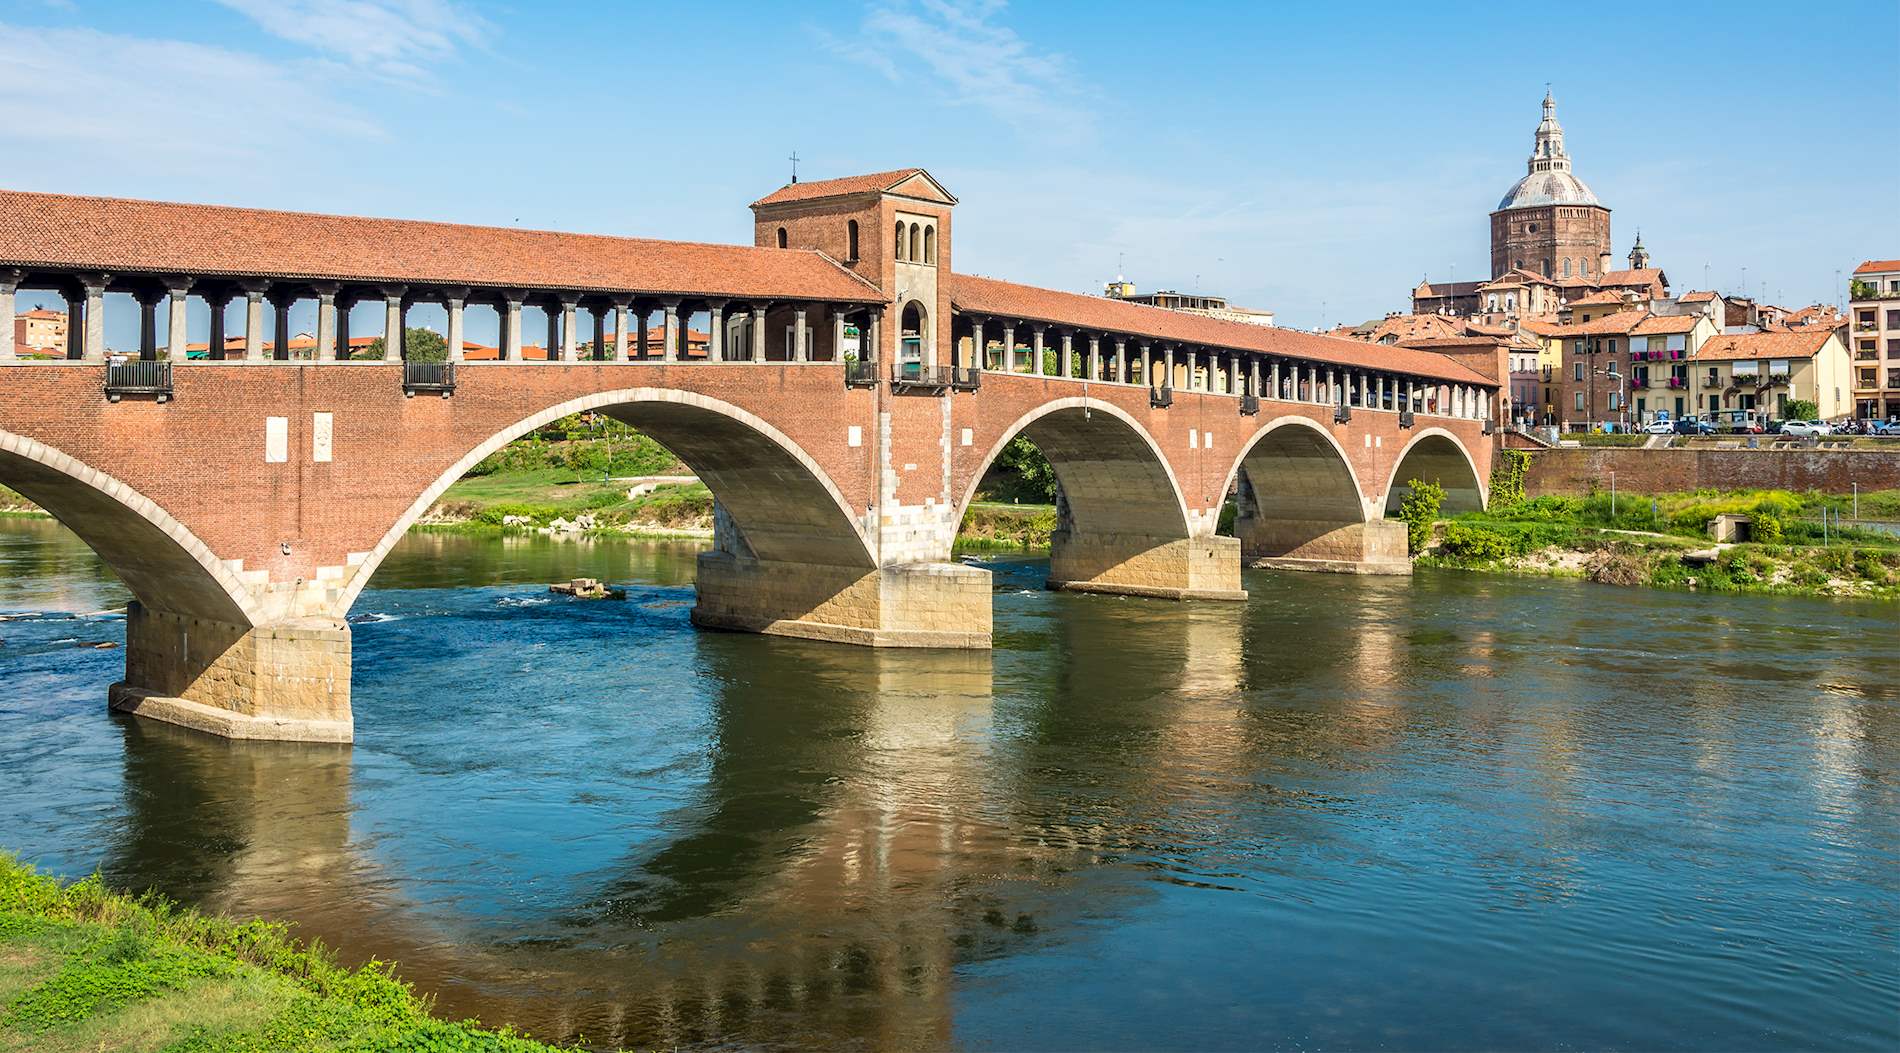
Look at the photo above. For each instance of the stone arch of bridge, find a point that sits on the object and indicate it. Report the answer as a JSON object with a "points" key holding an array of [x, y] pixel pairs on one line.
{"points": [[165, 565], [782, 504], [1122, 524], [1111, 471], [1436, 455], [1298, 497]]}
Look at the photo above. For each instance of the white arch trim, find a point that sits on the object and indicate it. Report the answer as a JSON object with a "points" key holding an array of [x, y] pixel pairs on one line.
{"points": [[1484, 496], [1074, 402], [366, 567], [1297, 421], [144, 507]]}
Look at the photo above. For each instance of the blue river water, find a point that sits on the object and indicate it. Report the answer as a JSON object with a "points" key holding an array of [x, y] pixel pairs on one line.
{"points": [[1454, 812]]}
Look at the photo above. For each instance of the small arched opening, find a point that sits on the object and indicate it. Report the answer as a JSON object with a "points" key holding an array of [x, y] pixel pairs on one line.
{"points": [[913, 329], [781, 237], [930, 245], [902, 242], [851, 241]]}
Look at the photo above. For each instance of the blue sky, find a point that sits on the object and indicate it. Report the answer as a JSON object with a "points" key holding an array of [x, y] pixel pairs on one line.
{"points": [[1314, 159]]}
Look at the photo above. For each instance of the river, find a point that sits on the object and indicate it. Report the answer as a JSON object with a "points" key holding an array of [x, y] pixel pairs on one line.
{"points": [[1451, 812]]}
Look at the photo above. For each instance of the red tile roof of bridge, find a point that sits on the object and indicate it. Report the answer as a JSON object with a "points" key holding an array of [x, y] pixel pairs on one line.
{"points": [[118, 235], [990, 296]]}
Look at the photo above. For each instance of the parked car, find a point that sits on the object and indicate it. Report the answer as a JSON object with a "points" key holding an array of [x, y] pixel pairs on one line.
{"points": [[1775, 426], [1660, 427], [1807, 429], [1694, 426], [1884, 427]]}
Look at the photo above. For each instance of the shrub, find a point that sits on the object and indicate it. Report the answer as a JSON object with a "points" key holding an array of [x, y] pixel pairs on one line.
{"points": [[1419, 510], [1476, 544], [1764, 526], [1507, 478]]}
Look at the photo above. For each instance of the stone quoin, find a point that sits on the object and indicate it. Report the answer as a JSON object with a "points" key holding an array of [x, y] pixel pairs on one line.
{"points": [[848, 395]]}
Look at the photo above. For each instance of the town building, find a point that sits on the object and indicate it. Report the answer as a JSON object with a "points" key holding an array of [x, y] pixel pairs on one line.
{"points": [[1760, 373], [1549, 222], [1190, 303], [1874, 315], [40, 333]]}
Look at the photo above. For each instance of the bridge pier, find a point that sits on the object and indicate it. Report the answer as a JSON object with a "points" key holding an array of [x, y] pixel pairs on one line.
{"points": [[907, 605], [288, 681], [1190, 568], [1377, 546]]}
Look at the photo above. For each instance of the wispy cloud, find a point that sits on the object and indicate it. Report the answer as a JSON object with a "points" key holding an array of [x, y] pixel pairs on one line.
{"points": [[396, 39], [979, 61], [120, 100]]}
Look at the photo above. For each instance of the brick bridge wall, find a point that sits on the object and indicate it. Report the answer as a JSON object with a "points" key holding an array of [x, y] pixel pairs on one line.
{"points": [[1577, 470]]}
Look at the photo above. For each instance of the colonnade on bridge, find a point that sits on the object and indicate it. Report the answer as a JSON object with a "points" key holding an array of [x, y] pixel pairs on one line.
{"points": [[842, 406]]}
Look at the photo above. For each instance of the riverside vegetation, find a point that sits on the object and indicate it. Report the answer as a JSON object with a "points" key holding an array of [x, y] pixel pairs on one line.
{"points": [[1799, 543], [86, 968]]}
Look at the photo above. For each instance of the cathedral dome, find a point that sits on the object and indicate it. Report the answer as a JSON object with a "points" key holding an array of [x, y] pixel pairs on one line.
{"points": [[1548, 179], [1555, 187]]}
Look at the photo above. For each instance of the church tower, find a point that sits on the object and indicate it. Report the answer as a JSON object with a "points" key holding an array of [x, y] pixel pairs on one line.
{"points": [[1639, 256], [1549, 223]]}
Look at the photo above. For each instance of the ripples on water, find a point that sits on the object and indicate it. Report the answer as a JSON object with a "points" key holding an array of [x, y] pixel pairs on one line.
{"points": [[1454, 812]]}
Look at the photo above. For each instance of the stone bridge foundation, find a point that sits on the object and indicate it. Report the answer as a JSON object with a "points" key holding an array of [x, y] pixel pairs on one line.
{"points": [[1377, 546], [908, 605], [288, 681], [1191, 568]]}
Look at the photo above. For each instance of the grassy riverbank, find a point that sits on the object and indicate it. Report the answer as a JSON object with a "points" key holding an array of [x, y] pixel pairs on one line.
{"points": [[84, 968], [1663, 541]]}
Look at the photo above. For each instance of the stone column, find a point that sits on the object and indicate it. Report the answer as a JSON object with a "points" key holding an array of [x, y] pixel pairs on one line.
{"points": [[280, 324], [1035, 349], [147, 300], [9, 287], [343, 306], [758, 334], [715, 330], [837, 332], [326, 320], [216, 300], [1121, 361], [176, 288], [1167, 363], [801, 351], [511, 325], [1009, 348], [568, 303], [671, 337], [94, 325], [1147, 365], [392, 321], [642, 344], [1253, 375], [254, 319], [979, 354], [600, 332], [1095, 357], [1068, 354], [875, 326], [622, 318], [454, 301]]}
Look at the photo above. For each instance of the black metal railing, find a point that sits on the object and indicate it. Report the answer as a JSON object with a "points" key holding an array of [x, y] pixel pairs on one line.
{"points": [[1161, 398], [1405, 418], [915, 376], [966, 378], [438, 377], [1490, 426], [1249, 405], [138, 377], [1342, 412], [860, 373]]}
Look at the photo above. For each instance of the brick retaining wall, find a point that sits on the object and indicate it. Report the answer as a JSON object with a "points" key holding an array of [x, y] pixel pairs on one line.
{"points": [[1638, 471]]}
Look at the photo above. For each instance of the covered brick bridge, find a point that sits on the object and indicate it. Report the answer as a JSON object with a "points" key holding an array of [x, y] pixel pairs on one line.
{"points": [[848, 394]]}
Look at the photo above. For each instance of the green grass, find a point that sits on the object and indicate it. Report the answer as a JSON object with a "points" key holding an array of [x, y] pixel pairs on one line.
{"points": [[1645, 539], [85, 968]]}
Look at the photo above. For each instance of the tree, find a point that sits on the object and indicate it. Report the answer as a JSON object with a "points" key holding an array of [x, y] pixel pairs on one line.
{"points": [[1419, 509], [1021, 459], [425, 345], [1800, 409]]}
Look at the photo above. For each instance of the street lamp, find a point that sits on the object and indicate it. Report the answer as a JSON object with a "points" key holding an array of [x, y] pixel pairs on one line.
{"points": [[1622, 394]]}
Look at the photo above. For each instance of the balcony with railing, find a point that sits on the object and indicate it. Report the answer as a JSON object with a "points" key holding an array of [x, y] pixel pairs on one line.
{"points": [[432, 377], [138, 377]]}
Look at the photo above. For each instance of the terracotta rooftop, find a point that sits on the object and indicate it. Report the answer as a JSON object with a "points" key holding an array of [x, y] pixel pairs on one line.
{"points": [[1028, 303], [1660, 324], [1542, 325], [1878, 267], [1743, 347], [1643, 276], [1606, 296], [870, 183], [1608, 325], [1446, 288], [1696, 297], [125, 236]]}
